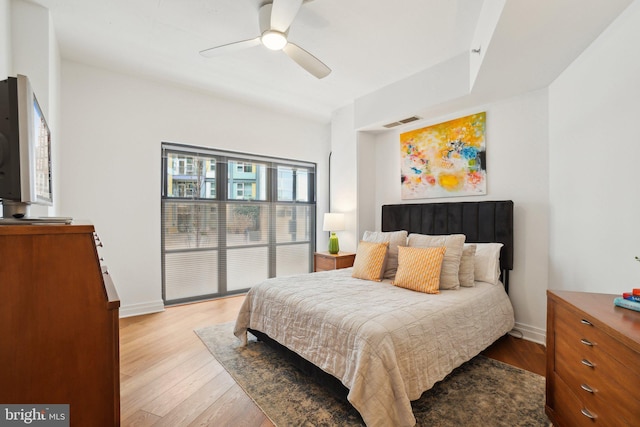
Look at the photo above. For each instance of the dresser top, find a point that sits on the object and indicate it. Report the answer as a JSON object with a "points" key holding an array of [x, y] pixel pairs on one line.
{"points": [[13, 230], [622, 323]]}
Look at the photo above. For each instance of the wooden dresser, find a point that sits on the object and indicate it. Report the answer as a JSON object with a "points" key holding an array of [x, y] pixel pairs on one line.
{"points": [[58, 323], [593, 361]]}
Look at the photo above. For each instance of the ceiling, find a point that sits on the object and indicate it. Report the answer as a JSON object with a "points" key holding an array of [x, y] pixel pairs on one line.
{"points": [[368, 44]]}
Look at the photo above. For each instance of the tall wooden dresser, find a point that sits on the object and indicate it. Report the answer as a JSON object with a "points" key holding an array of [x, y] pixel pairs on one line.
{"points": [[58, 323], [593, 361]]}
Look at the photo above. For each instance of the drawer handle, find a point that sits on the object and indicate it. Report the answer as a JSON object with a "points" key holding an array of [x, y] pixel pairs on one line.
{"points": [[586, 322], [586, 342], [586, 388], [585, 362], [587, 414]]}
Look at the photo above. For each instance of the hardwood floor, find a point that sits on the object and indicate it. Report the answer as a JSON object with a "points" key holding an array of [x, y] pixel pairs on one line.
{"points": [[169, 378]]}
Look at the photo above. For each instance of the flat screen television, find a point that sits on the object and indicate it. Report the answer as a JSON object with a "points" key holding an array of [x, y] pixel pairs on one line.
{"points": [[25, 149]]}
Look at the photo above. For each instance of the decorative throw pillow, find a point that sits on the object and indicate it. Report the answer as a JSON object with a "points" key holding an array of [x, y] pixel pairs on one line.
{"points": [[451, 264], [487, 262], [419, 269], [370, 260], [467, 265], [395, 239]]}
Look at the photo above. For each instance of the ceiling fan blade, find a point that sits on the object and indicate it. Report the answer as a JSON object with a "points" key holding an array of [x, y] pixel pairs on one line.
{"points": [[282, 14], [230, 47], [307, 61]]}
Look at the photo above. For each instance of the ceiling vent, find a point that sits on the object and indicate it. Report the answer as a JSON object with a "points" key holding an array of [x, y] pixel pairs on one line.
{"points": [[402, 122]]}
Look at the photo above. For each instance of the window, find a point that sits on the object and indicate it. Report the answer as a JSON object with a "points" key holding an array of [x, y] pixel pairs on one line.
{"points": [[247, 180], [231, 220], [190, 176], [293, 184], [239, 190], [244, 167]]}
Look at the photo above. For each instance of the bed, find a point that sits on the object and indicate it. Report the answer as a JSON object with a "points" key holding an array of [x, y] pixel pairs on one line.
{"points": [[386, 344]]}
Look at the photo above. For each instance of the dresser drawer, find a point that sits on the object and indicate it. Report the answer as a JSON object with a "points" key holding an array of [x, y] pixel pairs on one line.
{"points": [[324, 264], [570, 409], [323, 261], [611, 396], [615, 392], [580, 327]]}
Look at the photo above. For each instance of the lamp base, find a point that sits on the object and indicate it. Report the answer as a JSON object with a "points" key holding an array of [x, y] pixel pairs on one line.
{"points": [[334, 247]]}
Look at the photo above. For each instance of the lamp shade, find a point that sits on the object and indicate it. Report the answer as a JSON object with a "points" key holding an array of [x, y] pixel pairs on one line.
{"points": [[333, 222]]}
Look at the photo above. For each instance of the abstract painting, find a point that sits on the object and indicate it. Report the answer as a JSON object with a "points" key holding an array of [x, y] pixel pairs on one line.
{"points": [[445, 160]]}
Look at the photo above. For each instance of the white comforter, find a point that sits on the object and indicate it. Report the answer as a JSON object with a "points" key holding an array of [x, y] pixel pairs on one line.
{"points": [[387, 344]]}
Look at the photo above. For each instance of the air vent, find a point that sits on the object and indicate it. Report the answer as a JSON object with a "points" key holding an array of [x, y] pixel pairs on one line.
{"points": [[409, 119], [402, 122], [392, 125]]}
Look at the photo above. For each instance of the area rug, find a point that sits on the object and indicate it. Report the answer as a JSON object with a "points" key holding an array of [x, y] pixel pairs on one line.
{"points": [[481, 392]]}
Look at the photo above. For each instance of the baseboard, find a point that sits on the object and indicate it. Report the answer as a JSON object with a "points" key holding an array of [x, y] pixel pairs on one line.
{"points": [[142, 308], [529, 333]]}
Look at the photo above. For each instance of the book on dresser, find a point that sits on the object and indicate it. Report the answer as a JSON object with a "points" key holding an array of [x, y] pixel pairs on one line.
{"points": [[629, 304], [593, 360], [631, 297]]}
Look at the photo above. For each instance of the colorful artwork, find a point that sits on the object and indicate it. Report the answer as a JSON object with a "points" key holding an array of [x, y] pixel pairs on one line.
{"points": [[445, 160]]}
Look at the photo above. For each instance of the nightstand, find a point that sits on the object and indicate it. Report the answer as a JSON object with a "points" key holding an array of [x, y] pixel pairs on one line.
{"points": [[323, 261]]}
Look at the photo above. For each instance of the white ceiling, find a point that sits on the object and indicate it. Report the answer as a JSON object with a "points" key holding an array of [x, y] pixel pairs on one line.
{"points": [[368, 44]]}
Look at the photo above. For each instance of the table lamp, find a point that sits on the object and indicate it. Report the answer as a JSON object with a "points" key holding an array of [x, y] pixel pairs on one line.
{"points": [[333, 222]]}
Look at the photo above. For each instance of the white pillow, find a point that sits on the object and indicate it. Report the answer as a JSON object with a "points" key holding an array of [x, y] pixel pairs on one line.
{"points": [[451, 264], [395, 239], [487, 262]]}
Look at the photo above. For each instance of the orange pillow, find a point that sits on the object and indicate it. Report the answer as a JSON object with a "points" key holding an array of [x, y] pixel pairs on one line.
{"points": [[419, 268], [370, 261]]}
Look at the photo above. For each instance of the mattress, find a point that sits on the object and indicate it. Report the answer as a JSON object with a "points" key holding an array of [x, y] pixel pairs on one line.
{"points": [[386, 344]]}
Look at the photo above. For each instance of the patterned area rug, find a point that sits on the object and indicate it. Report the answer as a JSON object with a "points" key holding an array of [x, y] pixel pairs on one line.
{"points": [[481, 392]]}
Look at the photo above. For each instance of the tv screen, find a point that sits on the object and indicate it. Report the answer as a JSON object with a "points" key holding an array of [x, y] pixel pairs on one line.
{"points": [[42, 153], [25, 149]]}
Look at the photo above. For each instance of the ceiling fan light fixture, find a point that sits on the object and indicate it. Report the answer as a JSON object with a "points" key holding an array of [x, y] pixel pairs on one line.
{"points": [[274, 40]]}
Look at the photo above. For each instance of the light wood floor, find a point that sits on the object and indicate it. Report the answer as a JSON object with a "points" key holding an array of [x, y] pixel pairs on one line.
{"points": [[169, 378]]}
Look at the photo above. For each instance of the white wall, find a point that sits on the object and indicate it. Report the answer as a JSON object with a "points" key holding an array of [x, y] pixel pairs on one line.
{"points": [[113, 125], [441, 83], [594, 164], [344, 177], [367, 183], [517, 169]]}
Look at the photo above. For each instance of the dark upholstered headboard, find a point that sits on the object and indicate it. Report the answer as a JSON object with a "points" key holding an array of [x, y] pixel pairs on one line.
{"points": [[481, 222]]}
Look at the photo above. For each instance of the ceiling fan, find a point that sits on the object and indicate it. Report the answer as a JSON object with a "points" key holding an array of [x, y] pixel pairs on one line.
{"points": [[275, 18]]}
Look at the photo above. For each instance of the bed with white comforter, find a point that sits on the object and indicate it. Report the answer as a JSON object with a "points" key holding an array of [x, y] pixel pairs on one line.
{"points": [[386, 344]]}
